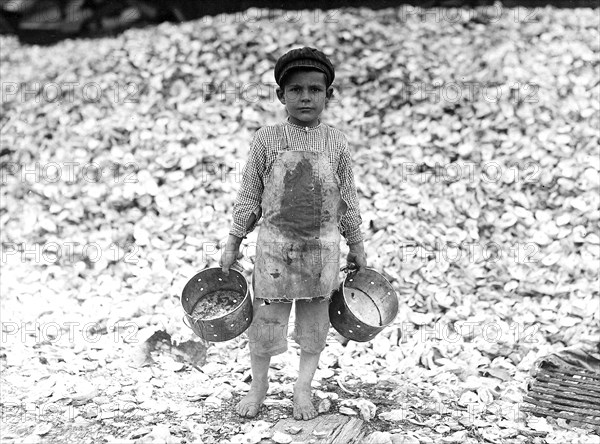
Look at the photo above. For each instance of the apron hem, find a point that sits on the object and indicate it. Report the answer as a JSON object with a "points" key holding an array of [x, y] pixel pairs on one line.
{"points": [[285, 300]]}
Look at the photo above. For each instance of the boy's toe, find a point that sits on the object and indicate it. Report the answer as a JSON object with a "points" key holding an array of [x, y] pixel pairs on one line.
{"points": [[304, 412], [298, 414], [250, 405], [248, 410], [310, 414], [241, 409], [303, 407], [252, 411]]}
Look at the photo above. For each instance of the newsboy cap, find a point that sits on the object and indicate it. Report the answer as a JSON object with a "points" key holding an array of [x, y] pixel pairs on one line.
{"points": [[306, 57]]}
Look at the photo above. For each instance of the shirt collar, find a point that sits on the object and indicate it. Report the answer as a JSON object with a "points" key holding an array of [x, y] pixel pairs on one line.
{"points": [[304, 128]]}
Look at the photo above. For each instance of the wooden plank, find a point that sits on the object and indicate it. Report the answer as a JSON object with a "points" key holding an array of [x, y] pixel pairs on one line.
{"points": [[549, 405], [573, 371], [351, 432], [541, 388], [324, 429], [575, 375], [539, 411], [566, 383], [561, 400], [549, 384]]}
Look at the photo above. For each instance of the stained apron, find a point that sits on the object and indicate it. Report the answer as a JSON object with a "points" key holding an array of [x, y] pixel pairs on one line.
{"points": [[298, 245]]}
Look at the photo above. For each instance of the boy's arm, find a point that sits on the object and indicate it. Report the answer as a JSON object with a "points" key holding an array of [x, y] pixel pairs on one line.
{"points": [[246, 209], [351, 220]]}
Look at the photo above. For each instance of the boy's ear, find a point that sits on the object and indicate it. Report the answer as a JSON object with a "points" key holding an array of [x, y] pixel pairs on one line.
{"points": [[280, 95], [329, 93]]}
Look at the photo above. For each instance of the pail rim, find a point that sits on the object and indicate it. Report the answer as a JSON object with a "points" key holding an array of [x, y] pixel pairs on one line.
{"points": [[349, 277], [208, 269]]}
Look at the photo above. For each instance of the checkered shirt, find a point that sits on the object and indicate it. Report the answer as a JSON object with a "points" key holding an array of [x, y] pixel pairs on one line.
{"points": [[263, 152]]}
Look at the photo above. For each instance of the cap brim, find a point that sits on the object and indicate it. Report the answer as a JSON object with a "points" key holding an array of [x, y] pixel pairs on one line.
{"points": [[299, 65]]}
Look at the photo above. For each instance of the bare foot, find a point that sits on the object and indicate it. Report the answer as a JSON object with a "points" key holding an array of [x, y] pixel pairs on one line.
{"points": [[303, 407], [249, 406]]}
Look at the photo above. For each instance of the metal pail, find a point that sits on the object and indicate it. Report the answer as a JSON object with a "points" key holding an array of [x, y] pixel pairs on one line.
{"points": [[226, 326], [363, 305]]}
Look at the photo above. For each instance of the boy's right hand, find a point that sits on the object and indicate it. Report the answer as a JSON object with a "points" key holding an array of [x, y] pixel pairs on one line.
{"points": [[230, 253], [228, 258], [357, 258]]}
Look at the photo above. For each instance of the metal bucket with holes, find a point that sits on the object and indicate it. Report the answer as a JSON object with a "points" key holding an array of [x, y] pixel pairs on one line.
{"points": [[363, 305], [201, 288]]}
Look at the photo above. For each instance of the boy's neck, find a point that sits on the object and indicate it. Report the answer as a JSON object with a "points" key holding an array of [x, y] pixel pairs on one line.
{"points": [[302, 124]]}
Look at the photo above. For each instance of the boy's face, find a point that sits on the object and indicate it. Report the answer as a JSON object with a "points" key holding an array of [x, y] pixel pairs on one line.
{"points": [[304, 95]]}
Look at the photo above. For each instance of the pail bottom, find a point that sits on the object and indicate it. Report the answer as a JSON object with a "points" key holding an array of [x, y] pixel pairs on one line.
{"points": [[363, 306], [216, 304]]}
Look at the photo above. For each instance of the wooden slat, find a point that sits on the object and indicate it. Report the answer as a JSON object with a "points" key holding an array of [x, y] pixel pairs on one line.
{"points": [[551, 384], [567, 383], [588, 380], [573, 371], [578, 411], [559, 400], [545, 412], [543, 388]]}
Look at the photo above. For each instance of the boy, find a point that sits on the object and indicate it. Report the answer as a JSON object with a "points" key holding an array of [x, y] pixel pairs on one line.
{"points": [[299, 174]]}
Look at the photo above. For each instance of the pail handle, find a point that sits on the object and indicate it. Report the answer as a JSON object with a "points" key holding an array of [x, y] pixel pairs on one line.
{"points": [[237, 267], [184, 318], [352, 268]]}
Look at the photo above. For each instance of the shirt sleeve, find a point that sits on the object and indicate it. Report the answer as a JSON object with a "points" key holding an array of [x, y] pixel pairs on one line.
{"points": [[351, 220], [249, 196]]}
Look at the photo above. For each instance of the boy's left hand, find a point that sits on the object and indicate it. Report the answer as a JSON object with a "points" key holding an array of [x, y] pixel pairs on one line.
{"points": [[356, 257]]}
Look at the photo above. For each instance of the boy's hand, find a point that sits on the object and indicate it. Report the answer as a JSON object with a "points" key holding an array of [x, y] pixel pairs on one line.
{"points": [[356, 257], [230, 253]]}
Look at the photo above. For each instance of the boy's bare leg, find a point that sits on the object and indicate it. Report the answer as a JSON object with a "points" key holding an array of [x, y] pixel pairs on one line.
{"points": [[303, 406], [251, 403], [268, 337]]}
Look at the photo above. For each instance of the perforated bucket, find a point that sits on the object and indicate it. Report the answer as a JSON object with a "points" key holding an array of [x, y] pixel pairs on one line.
{"points": [[363, 305], [227, 326]]}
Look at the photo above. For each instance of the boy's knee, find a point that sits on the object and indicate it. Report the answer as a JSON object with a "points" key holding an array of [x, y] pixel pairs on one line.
{"points": [[312, 348], [263, 351], [312, 338], [267, 339]]}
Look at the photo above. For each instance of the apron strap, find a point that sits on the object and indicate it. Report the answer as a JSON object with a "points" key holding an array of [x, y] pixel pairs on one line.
{"points": [[280, 129], [285, 144], [327, 146]]}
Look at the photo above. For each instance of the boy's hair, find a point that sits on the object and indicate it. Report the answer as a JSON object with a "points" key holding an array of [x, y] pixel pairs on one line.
{"points": [[284, 79], [304, 58]]}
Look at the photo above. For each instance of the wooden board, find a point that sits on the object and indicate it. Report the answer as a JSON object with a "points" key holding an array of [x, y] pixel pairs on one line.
{"points": [[324, 429]]}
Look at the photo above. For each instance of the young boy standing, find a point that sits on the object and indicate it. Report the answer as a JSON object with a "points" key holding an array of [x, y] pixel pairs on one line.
{"points": [[299, 176]]}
